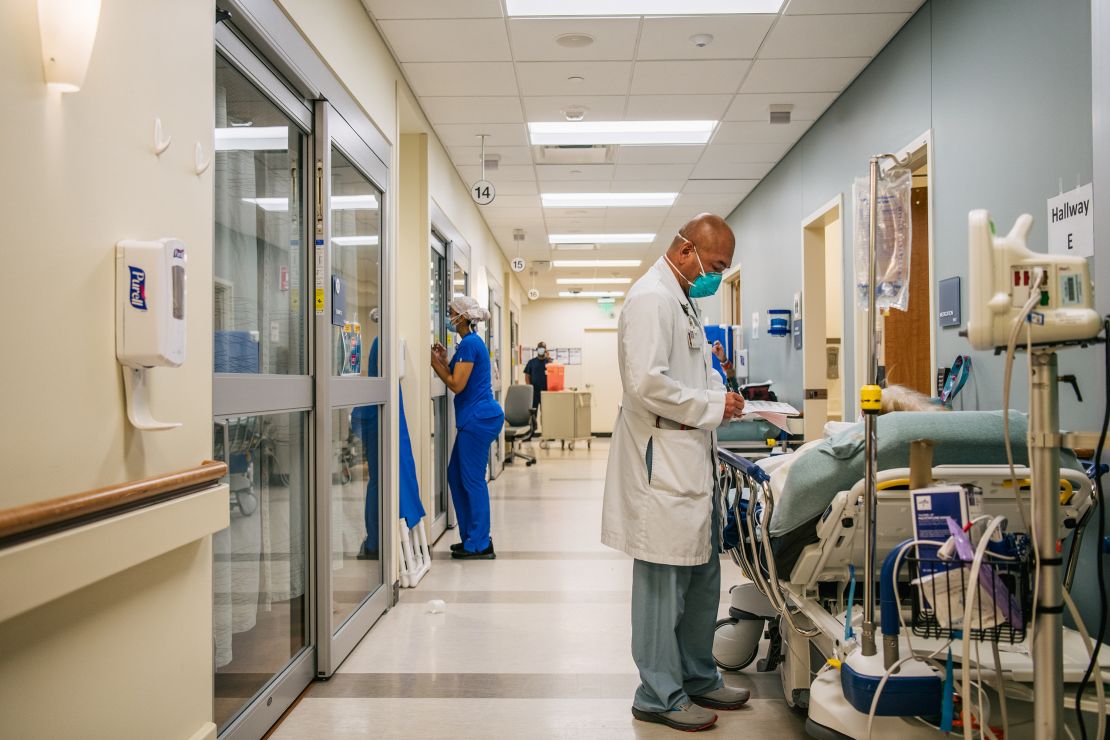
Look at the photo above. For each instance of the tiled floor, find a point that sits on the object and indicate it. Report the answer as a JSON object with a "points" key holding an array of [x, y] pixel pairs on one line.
{"points": [[532, 645]]}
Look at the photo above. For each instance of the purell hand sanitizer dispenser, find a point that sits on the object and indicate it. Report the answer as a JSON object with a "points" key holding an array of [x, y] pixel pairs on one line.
{"points": [[150, 319]]}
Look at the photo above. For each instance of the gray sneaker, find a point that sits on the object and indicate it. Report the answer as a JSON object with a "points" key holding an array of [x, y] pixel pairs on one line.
{"points": [[688, 717], [726, 698]]}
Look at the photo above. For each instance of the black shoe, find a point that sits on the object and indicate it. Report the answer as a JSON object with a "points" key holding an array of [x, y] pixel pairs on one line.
{"points": [[458, 546], [487, 554]]}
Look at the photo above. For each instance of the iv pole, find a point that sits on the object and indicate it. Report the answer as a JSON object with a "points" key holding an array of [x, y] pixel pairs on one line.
{"points": [[870, 405]]}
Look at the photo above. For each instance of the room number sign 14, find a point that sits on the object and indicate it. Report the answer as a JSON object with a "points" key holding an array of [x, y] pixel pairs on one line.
{"points": [[483, 192]]}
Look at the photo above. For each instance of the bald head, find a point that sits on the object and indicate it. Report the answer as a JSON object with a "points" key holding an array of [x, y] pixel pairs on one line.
{"points": [[706, 243]]}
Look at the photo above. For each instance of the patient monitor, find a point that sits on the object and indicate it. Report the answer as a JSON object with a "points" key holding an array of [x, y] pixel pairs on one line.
{"points": [[150, 318], [1003, 276]]}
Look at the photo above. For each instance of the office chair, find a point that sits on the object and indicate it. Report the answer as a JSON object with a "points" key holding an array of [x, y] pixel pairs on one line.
{"points": [[520, 421]]}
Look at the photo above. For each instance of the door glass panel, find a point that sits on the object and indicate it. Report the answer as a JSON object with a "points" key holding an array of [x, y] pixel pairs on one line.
{"points": [[259, 320], [436, 288], [356, 268], [356, 567], [439, 453], [259, 563]]}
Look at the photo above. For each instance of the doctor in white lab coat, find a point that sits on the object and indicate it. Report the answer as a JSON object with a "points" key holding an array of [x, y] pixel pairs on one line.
{"points": [[662, 506]]}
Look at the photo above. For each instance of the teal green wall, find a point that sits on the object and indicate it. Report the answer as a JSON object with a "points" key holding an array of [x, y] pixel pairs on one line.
{"points": [[1005, 87]]}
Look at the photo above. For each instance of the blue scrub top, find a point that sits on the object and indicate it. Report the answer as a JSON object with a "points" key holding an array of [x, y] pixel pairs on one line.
{"points": [[476, 400]]}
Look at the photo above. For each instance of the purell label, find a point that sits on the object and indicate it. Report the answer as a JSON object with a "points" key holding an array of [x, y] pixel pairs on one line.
{"points": [[138, 287]]}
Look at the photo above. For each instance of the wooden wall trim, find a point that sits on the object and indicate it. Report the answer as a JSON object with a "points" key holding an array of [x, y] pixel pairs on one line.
{"points": [[59, 513]]}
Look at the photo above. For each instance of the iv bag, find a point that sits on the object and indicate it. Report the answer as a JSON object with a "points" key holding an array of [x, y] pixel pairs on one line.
{"points": [[892, 239]]}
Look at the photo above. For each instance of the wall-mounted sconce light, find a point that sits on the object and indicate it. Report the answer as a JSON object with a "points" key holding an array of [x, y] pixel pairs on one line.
{"points": [[67, 30]]}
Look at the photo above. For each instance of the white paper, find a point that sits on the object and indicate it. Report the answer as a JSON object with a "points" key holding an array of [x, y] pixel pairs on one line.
{"points": [[574, 356], [1071, 223], [770, 407]]}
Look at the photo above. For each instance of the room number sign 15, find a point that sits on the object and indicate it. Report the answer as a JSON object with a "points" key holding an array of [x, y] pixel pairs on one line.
{"points": [[483, 192]]}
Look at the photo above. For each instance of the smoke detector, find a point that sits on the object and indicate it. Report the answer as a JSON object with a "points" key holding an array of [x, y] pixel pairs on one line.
{"points": [[574, 114], [780, 112], [574, 40], [701, 40]]}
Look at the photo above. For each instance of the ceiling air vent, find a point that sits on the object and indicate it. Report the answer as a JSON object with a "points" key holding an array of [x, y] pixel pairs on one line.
{"points": [[569, 154], [780, 113], [493, 162], [541, 265]]}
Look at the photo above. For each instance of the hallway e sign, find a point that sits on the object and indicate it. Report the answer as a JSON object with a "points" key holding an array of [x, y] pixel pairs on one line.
{"points": [[1071, 225]]}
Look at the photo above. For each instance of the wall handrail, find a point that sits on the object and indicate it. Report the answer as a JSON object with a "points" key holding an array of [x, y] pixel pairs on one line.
{"points": [[37, 519]]}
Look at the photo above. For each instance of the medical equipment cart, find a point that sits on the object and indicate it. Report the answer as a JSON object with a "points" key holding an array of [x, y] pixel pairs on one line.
{"points": [[565, 416]]}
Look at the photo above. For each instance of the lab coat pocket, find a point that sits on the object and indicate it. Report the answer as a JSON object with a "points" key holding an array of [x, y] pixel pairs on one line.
{"points": [[678, 462]]}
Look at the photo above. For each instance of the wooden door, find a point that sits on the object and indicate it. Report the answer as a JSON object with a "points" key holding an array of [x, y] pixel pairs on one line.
{"points": [[907, 334]]}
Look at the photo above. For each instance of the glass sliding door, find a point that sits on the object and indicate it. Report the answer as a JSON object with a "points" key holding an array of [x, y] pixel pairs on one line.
{"points": [[439, 294], [353, 455], [493, 344], [262, 394]]}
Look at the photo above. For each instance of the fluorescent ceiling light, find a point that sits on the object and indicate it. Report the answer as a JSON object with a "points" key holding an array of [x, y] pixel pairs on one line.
{"points": [[608, 200], [591, 294], [574, 247], [251, 138], [559, 133], [640, 7], [595, 263], [338, 203], [593, 281], [459, 283], [601, 238], [355, 241]]}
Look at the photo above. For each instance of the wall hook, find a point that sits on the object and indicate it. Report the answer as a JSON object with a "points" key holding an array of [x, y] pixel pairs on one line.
{"points": [[200, 164], [160, 144]]}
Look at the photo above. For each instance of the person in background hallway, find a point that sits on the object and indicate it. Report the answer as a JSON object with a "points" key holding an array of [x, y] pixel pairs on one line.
{"points": [[479, 419], [662, 503], [535, 373]]}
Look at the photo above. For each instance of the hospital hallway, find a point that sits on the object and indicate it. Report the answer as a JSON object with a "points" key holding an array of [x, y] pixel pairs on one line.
{"points": [[534, 644]]}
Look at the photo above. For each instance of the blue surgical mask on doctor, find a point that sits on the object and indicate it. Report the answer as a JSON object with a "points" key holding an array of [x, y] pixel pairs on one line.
{"points": [[705, 284]]}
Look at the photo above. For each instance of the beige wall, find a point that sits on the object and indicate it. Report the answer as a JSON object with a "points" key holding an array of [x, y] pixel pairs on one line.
{"points": [[562, 322], [80, 175]]}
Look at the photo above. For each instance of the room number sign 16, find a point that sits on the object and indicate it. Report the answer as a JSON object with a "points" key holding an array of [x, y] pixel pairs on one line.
{"points": [[483, 192]]}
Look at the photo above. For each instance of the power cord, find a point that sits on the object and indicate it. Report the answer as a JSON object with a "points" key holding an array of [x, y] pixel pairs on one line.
{"points": [[1100, 558]]}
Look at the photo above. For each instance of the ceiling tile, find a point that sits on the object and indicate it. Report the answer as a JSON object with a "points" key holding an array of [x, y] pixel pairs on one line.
{"points": [[635, 220], [472, 154], [575, 186], [648, 186], [473, 173], [695, 204], [710, 168], [553, 78], [512, 215], [723, 187], [652, 171], [744, 153], [504, 109], [809, 36], [597, 107], [466, 134], [822, 7], [514, 201], [456, 40], [575, 173], [760, 132], [734, 36], [659, 154], [757, 107], [802, 75], [679, 78], [534, 39], [511, 187], [465, 78], [677, 108], [382, 9]]}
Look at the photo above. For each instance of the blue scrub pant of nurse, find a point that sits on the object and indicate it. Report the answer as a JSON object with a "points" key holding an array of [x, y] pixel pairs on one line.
{"points": [[674, 612], [466, 475]]}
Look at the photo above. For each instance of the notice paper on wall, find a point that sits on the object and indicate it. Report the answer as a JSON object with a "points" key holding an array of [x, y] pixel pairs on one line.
{"points": [[574, 356], [562, 355]]}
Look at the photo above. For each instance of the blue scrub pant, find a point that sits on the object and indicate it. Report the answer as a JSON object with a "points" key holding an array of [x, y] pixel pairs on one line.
{"points": [[674, 614], [466, 476]]}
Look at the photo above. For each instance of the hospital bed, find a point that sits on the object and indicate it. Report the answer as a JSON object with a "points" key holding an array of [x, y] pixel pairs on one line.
{"points": [[800, 572]]}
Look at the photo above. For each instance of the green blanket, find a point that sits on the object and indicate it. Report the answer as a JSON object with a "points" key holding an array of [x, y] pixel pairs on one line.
{"points": [[836, 464]]}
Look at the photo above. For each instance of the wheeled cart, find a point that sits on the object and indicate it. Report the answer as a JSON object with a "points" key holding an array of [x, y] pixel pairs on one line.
{"points": [[565, 416]]}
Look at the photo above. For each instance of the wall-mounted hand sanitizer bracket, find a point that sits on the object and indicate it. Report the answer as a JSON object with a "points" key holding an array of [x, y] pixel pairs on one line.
{"points": [[150, 319]]}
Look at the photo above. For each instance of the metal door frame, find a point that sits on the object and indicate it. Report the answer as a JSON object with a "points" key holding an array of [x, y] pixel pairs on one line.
{"points": [[440, 250]]}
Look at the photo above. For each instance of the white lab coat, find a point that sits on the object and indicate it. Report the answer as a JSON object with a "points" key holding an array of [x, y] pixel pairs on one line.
{"points": [[660, 482]]}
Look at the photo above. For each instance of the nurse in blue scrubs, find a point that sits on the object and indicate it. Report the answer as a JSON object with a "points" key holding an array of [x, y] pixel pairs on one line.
{"points": [[479, 420]]}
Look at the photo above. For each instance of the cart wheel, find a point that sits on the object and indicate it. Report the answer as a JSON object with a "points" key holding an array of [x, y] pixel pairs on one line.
{"points": [[563, 445], [543, 444], [728, 654], [589, 445], [247, 502], [570, 446]]}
